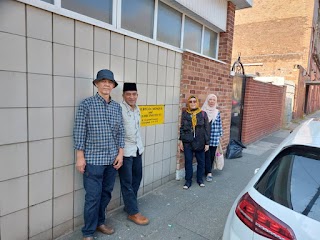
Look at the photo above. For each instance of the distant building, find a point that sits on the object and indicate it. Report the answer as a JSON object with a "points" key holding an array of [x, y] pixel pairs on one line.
{"points": [[281, 39]]}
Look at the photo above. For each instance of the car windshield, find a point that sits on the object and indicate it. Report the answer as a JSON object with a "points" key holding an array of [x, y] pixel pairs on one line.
{"points": [[293, 180]]}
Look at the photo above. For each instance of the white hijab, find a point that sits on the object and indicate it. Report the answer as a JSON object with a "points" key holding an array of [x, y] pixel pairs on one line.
{"points": [[212, 112]]}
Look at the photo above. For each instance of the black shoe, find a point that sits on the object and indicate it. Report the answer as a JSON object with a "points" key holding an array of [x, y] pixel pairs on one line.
{"points": [[187, 185]]}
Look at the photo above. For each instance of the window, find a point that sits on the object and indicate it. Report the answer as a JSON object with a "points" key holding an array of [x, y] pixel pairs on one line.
{"points": [[48, 1], [210, 43], [293, 180], [169, 25], [192, 35], [137, 16], [98, 9]]}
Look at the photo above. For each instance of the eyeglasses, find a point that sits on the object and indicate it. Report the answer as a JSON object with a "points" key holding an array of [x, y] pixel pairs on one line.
{"points": [[192, 101]]}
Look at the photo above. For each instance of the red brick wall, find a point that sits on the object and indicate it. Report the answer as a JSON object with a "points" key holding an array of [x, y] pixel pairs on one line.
{"points": [[202, 76], [263, 110]]}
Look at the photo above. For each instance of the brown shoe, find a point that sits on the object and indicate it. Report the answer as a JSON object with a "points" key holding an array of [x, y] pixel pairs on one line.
{"points": [[105, 229], [139, 219], [88, 238]]}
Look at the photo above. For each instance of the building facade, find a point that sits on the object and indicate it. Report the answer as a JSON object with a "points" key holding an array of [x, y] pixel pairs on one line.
{"points": [[280, 39], [49, 53]]}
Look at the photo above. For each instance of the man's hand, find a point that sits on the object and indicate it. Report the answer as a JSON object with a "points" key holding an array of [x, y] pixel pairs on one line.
{"points": [[81, 164], [119, 160], [181, 146], [206, 148]]}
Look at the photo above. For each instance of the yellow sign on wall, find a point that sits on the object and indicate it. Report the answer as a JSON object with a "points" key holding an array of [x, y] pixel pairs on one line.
{"points": [[151, 115]]}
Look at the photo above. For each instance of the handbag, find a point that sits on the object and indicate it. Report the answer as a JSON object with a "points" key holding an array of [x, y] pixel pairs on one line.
{"points": [[219, 159]]}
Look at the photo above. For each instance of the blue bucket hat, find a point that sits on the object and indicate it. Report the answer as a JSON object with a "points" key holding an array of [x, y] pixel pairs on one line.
{"points": [[105, 74]]}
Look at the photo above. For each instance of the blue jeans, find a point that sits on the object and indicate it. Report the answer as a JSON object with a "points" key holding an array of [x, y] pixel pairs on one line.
{"points": [[210, 155], [98, 181], [188, 157], [130, 177]]}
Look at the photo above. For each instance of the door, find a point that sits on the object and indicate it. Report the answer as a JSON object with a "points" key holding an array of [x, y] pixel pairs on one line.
{"points": [[237, 106]]}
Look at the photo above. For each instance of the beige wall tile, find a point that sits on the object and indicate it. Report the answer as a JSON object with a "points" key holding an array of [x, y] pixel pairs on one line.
{"points": [[167, 132], [170, 76], [162, 57], [63, 181], [149, 155], [158, 149], [177, 77], [46, 235], [169, 95], [101, 40], [39, 56], [78, 221], [142, 51], [63, 30], [40, 218], [130, 48], [14, 48], [150, 135], [101, 61], [40, 188], [142, 99], [176, 95], [175, 113], [174, 132], [40, 155], [130, 70], [117, 44], [168, 114], [173, 165], [147, 175], [153, 54], [151, 95], [159, 133], [63, 91], [15, 200], [83, 35], [14, 161], [178, 62], [62, 210], [63, 121], [63, 60], [13, 17], [78, 180], [79, 197], [13, 89], [13, 125], [39, 23], [142, 72], [39, 90], [83, 89], [174, 148], [162, 75], [171, 58], [84, 63], [152, 74], [63, 151], [166, 146], [157, 171], [15, 219], [165, 168], [40, 123], [161, 94], [117, 67]]}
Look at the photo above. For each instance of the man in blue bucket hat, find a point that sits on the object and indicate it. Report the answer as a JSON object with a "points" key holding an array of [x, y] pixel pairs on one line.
{"points": [[99, 143]]}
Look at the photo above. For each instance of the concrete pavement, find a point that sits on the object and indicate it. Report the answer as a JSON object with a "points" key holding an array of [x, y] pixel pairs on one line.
{"points": [[197, 213]]}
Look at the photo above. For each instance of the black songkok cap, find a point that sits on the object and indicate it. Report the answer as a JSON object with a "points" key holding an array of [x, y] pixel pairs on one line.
{"points": [[128, 86]]}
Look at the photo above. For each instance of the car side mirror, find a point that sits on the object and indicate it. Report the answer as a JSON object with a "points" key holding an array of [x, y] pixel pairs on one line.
{"points": [[256, 170]]}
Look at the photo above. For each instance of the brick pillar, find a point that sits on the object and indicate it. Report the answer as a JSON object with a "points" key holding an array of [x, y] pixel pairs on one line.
{"points": [[226, 38]]}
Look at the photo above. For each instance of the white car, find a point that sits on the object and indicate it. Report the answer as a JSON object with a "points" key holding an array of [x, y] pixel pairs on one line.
{"points": [[282, 200]]}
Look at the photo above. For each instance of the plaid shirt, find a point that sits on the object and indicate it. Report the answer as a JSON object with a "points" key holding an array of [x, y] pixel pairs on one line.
{"points": [[216, 131], [98, 130]]}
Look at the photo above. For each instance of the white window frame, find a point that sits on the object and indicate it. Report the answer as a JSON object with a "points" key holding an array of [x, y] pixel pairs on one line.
{"points": [[116, 24]]}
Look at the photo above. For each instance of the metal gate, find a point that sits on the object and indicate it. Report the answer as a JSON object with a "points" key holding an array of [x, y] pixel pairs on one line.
{"points": [[238, 93]]}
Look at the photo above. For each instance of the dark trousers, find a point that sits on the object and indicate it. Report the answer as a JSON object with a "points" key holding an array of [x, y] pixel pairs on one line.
{"points": [[98, 181], [130, 178], [188, 157], [210, 155]]}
